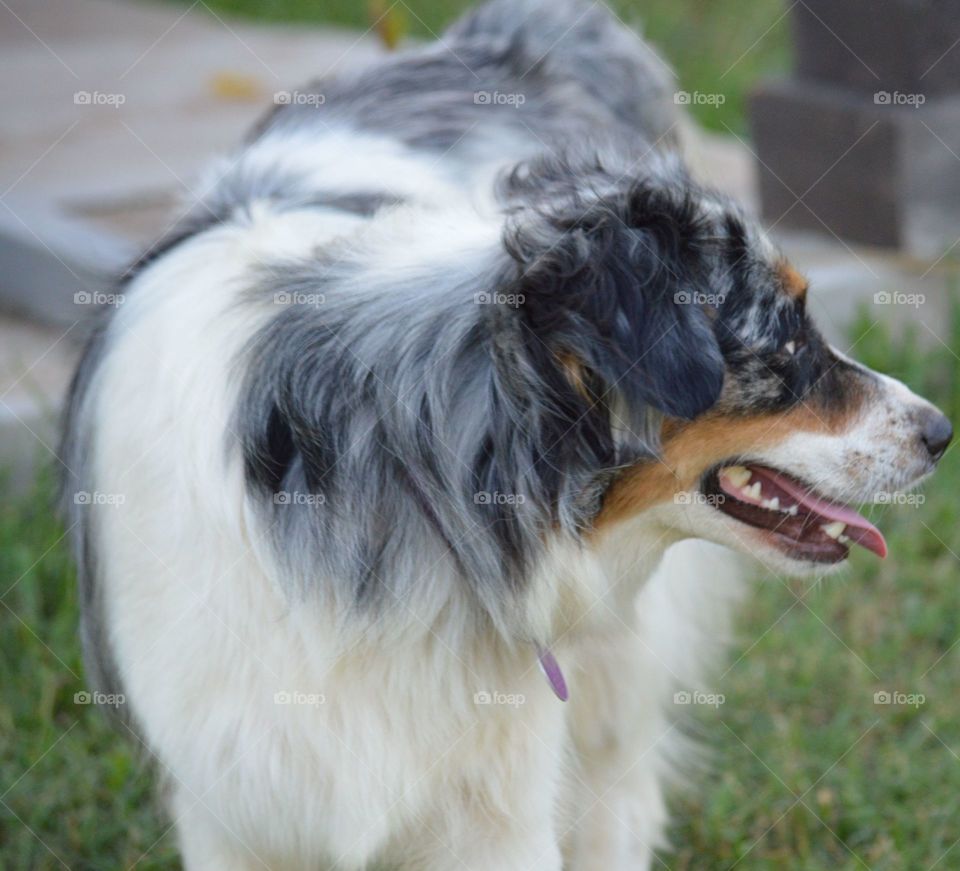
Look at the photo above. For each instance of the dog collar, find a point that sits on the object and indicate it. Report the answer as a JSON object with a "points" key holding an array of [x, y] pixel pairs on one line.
{"points": [[551, 671]]}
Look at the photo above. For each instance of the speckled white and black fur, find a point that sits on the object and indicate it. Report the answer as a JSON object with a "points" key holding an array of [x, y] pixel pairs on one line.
{"points": [[365, 406]]}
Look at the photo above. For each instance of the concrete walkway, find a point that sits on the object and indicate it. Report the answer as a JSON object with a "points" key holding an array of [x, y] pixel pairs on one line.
{"points": [[110, 110]]}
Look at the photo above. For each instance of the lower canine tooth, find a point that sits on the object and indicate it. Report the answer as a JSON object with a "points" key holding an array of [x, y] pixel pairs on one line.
{"points": [[835, 529], [792, 510]]}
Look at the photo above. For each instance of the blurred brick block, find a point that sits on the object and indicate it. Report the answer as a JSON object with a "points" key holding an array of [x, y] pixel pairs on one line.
{"points": [[905, 45], [864, 140], [878, 174]]}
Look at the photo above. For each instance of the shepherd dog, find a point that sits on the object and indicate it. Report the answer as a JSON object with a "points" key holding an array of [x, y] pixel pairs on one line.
{"points": [[433, 419]]}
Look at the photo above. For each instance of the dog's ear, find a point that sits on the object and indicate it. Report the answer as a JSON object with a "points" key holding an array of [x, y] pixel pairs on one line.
{"points": [[617, 295]]}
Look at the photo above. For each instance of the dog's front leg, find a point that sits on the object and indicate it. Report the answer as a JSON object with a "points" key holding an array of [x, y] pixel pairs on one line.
{"points": [[502, 848], [498, 808], [206, 843], [620, 732]]}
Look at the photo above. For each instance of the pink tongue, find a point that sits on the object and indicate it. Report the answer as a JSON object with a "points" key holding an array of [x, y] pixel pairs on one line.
{"points": [[859, 529]]}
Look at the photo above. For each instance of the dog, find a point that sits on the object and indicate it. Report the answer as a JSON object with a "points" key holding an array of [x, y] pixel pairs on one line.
{"points": [[406, 415]]}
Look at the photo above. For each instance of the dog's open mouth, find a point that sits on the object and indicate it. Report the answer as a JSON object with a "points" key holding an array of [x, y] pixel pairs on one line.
{"points": [[801, 523]]}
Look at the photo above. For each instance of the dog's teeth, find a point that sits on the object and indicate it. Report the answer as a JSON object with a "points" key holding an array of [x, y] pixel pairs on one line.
{"points": [[736, 475], [790, 347], [835, 529], [844, 539], [753, 491], [771, 504], [792, 510]]}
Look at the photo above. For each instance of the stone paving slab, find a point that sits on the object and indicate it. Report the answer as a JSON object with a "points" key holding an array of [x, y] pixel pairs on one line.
{"points": [[124, 103]]}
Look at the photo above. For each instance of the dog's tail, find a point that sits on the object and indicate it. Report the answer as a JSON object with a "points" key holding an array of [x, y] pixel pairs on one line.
{"points": [[585, 45]]}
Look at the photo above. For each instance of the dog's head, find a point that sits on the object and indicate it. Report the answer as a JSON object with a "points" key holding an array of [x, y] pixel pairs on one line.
{"points": [[732, 418]]}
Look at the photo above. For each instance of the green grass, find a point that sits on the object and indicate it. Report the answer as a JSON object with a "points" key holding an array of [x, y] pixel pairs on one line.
{"points": [[70, 786], [716, 46], [799, 720]]}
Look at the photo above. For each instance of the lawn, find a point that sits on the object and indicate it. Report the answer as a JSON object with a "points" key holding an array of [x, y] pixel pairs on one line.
{"points": [[805, 770], [716, 46]]}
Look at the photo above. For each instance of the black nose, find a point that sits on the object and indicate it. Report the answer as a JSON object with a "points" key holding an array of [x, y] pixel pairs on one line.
{"points": [[936, 433]]}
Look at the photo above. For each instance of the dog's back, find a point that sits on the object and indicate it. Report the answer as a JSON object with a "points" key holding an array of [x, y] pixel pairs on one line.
{"points": [[506, 73]]}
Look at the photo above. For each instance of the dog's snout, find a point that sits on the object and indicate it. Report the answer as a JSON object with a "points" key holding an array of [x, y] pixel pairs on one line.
{"points": [[935, 432]]}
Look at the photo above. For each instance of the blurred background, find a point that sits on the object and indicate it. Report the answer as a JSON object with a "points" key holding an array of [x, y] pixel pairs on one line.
{"points": [[832, 738]]}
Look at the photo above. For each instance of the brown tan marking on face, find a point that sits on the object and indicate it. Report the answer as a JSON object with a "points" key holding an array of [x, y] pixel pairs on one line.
{"points": [[690, 449], [793, 282]]}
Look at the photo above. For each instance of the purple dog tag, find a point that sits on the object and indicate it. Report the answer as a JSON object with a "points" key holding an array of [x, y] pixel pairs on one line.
{"points": [[553, 674]]}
